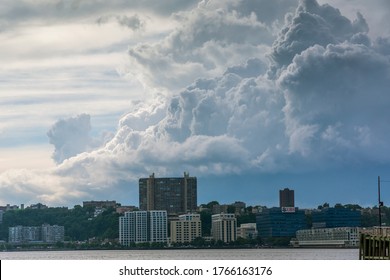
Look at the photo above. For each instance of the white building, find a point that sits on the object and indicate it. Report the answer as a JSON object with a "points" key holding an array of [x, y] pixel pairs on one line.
{"points": [[158, 225], [331, 237], [186, 229], [224, 227], [247, 231], [15, 234], [52, 234], [143, 226], [45, 233]]}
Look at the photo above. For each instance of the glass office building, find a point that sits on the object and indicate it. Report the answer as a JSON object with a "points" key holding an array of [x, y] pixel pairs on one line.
{"points": [[336, 217], [280, 222]]}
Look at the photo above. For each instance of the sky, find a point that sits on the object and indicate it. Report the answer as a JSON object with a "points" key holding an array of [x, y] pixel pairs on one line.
{"points": [[248, 96]]}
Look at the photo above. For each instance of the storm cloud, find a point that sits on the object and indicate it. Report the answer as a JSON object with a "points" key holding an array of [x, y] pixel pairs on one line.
{"points": [[234, 96]]}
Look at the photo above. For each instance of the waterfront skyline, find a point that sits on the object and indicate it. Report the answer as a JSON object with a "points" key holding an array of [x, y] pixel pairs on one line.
{"points": [[96, 95]]}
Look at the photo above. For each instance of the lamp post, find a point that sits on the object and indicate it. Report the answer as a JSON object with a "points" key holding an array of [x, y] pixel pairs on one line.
{"points": [[380, 204]]}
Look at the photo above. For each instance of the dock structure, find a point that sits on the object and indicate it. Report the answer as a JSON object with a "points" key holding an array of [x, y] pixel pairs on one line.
{"points": [[375, 244]]}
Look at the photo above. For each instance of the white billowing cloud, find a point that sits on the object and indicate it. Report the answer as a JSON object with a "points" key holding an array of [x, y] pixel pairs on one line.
{"points": [[313, 24], [328, 91], [325, 104], [334, 81], [70, 137], [206, 36]]}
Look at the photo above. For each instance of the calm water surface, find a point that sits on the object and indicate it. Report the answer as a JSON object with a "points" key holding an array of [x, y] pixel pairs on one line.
{"points": [[194, 254]]}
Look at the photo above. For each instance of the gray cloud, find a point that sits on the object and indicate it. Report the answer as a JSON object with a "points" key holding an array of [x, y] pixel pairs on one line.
{"points": [[64, 10], [339, 92], [133, 22]]}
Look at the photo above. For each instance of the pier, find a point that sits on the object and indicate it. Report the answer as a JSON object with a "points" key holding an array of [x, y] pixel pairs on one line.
{"points": [[375, 244]]}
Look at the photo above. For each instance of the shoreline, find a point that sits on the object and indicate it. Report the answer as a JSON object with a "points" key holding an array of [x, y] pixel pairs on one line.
{"points": [[177, 249]]}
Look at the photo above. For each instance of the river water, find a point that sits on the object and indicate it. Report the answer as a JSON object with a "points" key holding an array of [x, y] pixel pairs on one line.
{"points": [[184, 254]]}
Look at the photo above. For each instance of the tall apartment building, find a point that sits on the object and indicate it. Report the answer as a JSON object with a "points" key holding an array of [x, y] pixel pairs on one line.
{"points": [[286, 198], [52, 234], [143, 226], [224, 227], [186, 229], [175, 195], [158, 226], [15, 234]]}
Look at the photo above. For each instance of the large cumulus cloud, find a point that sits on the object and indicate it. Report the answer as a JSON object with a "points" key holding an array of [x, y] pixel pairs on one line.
{"points": [[320, 101], [71, 137], [210, 38], [337, 96], [313, 24]]}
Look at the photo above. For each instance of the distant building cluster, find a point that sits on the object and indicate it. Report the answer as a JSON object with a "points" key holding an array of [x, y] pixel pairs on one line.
{"points": [[27, 234], [9, 207], [168, 206], [162, 201], [168, 213], [100, 204], [237, 207]]}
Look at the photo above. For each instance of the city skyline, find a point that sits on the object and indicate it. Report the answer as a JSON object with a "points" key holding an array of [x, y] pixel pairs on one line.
{"points": [[248, 96]]}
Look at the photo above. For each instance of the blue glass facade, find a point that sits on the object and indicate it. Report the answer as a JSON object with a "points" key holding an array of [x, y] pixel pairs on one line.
{"points": [[336, 217], [274, 222]]}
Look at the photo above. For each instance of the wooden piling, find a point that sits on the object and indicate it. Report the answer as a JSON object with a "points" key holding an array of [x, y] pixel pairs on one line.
{"points": [[374, 247]]}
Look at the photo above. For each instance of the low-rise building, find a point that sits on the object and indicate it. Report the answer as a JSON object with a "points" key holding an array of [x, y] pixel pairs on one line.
{"points": [[186, 228], [37, 206], [327, 237], [280, 222], [335, 217], [100, 204], [247, 231], [124, 209]]}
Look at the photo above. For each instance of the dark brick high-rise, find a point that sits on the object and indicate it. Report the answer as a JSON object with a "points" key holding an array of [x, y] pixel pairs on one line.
{"points": [[175, 195], [286, 198]]}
